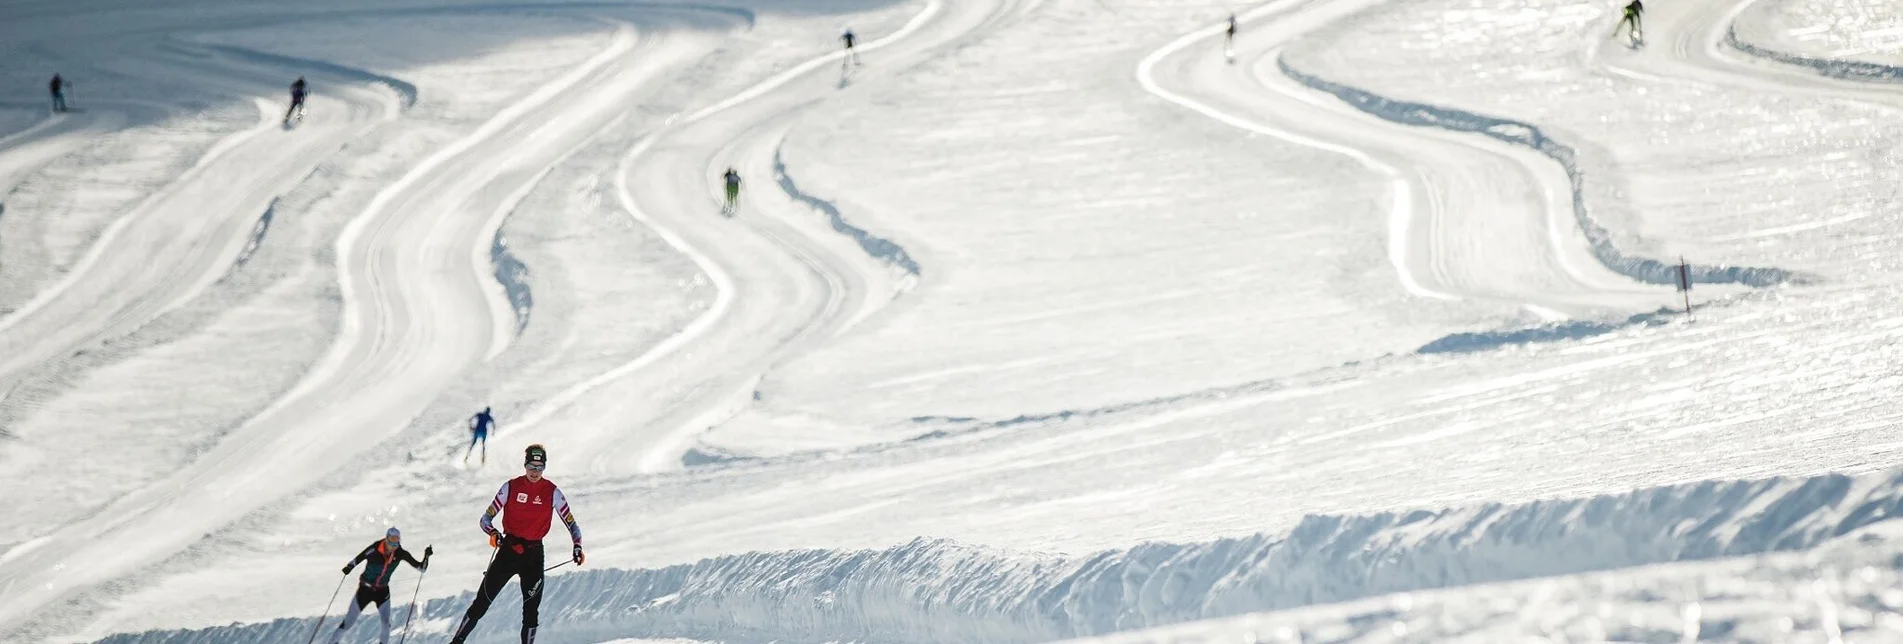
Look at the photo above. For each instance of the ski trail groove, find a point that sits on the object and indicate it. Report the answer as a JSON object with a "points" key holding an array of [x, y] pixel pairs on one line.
{"points": [[1643, 269], [203, 219], [1400, 191], [664, 452], [412, 268]]}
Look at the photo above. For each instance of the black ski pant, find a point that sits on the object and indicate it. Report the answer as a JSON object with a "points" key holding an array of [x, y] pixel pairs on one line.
{"points": [[516, 558]]}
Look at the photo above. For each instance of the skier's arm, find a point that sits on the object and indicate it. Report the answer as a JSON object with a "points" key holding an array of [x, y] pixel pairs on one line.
{"points": [[568, 518], [495, 507], [406, 556], [361, 556]]}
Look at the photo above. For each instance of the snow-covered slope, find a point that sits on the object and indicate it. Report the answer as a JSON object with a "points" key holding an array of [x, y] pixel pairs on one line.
{"points": [[1047, 319], [935, 590]]}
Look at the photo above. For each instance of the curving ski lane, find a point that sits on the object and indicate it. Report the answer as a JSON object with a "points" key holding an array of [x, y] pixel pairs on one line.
{"points": [[421, 307], [1470, 218], [1696, 41], [184, 237], [784, 280]]}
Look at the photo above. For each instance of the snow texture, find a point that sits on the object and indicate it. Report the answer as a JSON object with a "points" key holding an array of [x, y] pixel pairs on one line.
{"points": [[1644, 269], [936, 590]]}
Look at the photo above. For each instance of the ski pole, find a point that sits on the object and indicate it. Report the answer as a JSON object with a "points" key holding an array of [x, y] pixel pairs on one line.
{"points": [[326, 615], [558, 565], [412, 616]]}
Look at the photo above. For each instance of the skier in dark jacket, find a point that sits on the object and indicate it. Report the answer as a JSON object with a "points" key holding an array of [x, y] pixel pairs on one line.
{"points": [[373, 587], [1229, 39], [1632, 20], [58, 87], [527, 503], [479, 426], [852, 56], [733, 190], [297, 100]]}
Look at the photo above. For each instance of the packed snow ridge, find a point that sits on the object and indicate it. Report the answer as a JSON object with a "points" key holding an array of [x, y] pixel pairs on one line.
{"points": [[878, 247], [938, 590], [1643, 269], [1835, 68]]}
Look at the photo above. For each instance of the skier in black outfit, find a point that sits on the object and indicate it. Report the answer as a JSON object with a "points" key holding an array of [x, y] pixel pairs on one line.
{"points": [[297, 100], [1229, 40], [1634, 15], [851, 55], [527, 504], [59, 95], [733, 190], [380, 561]]}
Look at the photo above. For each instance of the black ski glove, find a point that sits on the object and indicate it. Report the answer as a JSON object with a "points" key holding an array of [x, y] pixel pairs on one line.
{"points": [[349, 566]]}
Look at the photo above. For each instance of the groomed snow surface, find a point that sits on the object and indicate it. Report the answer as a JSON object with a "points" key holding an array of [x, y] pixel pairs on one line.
{"points": [[1046, 319]]}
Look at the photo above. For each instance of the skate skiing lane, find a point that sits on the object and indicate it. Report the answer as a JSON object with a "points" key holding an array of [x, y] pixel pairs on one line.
{"points": [[1469, 218], [1695, 35], [25, 151], [1696, 50], [417, 314], [185, 235], [784, 281]]}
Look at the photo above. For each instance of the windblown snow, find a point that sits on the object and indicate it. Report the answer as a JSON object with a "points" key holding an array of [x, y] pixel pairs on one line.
{"points": [[1035, 320]]}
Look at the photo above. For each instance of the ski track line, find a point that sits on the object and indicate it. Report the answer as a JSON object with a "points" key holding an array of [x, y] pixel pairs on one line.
{"points": [[352, 329], [25, 152], [151, 504], [659, 458], [1401, 193], [1709, 45], [194, 265], [118, 226]]}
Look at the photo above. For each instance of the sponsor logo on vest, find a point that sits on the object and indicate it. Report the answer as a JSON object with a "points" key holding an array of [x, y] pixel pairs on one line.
{"points": [[538, 500], [521, 497]]}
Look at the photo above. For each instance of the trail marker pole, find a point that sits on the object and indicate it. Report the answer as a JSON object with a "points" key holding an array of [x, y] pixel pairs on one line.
{"points": [[1685, 284]]}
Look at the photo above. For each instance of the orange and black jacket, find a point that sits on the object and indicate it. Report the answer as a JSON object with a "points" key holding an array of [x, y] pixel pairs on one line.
{"points": [[380, 560]]}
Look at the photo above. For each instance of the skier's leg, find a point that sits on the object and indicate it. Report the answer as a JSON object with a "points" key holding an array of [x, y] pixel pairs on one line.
{"points": [[350, 618], [493, 580], [531, 572], [383, 612]]}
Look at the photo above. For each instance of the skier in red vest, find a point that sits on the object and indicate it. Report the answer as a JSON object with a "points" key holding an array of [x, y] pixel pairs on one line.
{"points": [[526, 503]]}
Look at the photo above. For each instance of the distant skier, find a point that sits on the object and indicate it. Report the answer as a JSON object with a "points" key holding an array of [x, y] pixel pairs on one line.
{"points": [[852, 56], [58, 87], [373, 587], [1229, 39], [526, 503], [297, 100], [733, 190], [479, 426], [1633, 21]]}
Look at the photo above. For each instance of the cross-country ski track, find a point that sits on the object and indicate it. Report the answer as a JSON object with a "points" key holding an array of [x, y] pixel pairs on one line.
{"points": [[420, 305], [1475, 218]]}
